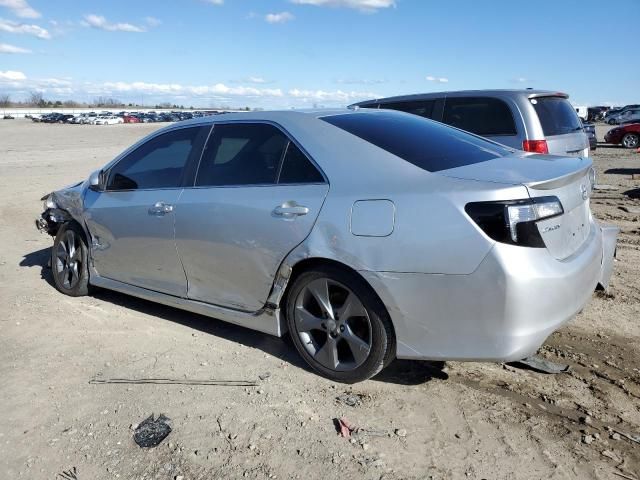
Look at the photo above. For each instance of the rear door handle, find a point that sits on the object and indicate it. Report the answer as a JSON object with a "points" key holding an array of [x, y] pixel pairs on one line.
{"points": [[290, 210], [160, 208]]}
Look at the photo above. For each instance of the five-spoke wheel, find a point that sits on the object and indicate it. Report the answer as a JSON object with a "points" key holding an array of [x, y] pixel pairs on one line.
{"points": [[69, 261], [338, 324]]}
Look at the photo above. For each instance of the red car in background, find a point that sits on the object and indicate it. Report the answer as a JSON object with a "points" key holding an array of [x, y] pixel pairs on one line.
{"points": [[131, 119], [627, 135]]}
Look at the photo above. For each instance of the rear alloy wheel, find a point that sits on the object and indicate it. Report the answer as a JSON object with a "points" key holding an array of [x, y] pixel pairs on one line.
{"points": [[69, 261], [339, 325], [631, 140]]}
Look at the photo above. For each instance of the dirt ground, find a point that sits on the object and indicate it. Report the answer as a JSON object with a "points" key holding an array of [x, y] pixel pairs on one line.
{"points": [[420, 419]]}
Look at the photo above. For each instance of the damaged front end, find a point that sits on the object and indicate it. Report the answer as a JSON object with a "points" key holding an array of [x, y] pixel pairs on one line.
{"points": [[52, 217]]}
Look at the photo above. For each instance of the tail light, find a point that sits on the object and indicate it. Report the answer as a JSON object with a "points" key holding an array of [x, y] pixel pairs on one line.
{"points": [[514, 222], [535, 146]]}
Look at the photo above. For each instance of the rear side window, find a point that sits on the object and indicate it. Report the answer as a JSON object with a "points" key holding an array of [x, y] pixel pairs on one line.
{"points": [[557, 116], [480, 115], [158, 163], [422, 108], [297, 168], [242, 154], [429, 145]]}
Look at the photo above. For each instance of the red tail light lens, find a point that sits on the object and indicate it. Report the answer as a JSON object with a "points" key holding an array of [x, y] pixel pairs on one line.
{"points": [[535, 146]]}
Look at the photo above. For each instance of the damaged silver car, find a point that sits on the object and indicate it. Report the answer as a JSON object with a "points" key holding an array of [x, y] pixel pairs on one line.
{"points": [[368, 235]]}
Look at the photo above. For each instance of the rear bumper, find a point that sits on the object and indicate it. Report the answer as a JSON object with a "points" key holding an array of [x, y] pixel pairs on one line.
{"points": [[503, 311]]}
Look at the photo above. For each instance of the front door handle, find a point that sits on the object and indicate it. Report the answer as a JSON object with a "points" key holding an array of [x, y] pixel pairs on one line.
{"points": [[290, 210], [160, 208]]}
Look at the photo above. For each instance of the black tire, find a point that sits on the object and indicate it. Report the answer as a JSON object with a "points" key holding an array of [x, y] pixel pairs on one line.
{"points": [[631, 140], [70, 273], [382, 340]]}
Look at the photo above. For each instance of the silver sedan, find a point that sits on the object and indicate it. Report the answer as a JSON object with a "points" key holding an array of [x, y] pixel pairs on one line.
{"points": [[368, 235]]}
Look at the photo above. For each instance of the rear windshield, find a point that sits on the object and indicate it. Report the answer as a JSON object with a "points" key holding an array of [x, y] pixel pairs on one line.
{"points": [[429, 145], [556, 115]]}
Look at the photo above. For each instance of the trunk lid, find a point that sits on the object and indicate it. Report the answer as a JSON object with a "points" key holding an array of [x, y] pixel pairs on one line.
{"points": [[567, 178]]}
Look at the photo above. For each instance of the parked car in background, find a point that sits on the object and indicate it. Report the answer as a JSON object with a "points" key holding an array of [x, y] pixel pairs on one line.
{"points": [[590, 130], [130, 119], [56, 118], [617, 111], [631, 115], [535, 121], [596, 114], [8, 117], [626, 135], [432, 243], [108, 120]]}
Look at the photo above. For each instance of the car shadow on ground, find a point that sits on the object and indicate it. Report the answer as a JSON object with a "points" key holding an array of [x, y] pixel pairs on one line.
{"points": [[633, 193], [402, 372], [39, 258], [623, 171]]}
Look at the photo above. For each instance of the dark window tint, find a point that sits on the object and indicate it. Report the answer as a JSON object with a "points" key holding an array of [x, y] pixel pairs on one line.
{"points": [[429, 145], [479, 115], [556, 115], [159, 163], [242, 154], [297, 168], [423, 108]]}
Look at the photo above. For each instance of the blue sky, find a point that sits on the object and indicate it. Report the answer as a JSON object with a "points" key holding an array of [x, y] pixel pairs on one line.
{"points": [[297, 53]]}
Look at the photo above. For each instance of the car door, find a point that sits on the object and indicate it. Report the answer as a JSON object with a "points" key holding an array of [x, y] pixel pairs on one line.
{"points": [[256, 197], [132, 220]]}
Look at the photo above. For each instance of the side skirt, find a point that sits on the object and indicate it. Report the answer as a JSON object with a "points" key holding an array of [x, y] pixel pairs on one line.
{"points": [[266, 320]]}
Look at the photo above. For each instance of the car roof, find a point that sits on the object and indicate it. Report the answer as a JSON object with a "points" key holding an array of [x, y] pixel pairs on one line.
{"points": [[527, 93]]}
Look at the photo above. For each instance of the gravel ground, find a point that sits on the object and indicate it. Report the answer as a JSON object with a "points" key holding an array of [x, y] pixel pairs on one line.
{"points": [[420, 419]]}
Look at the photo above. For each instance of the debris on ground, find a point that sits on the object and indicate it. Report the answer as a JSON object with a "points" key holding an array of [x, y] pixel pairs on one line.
{"points": [[69, 474], [350, 400], [345, 427], [151, 432], [171, 381], [264, 376], [542, 365]]}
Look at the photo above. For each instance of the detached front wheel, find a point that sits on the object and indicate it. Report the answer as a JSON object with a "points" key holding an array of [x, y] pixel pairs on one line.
{"points": [[69, 256], [339, 325]]}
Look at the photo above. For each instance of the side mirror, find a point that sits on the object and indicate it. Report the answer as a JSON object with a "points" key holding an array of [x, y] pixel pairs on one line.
{"points": [[96, 181]]}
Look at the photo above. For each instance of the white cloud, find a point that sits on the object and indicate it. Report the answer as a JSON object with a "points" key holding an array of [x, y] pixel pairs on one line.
{"points": [[520, 80], [20, 8], [23, 28], [367, 6], [361, 81], [257, 80], [12, 75], [215, 2], [337, 96], [194, 90], [153, 21], [431, 78], [6, 48], [281, 17], [100, 22]]}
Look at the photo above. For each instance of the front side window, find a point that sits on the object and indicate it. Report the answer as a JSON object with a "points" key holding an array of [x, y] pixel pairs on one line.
{"points": [[480, 115], [158, 163], [242, 154]]}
